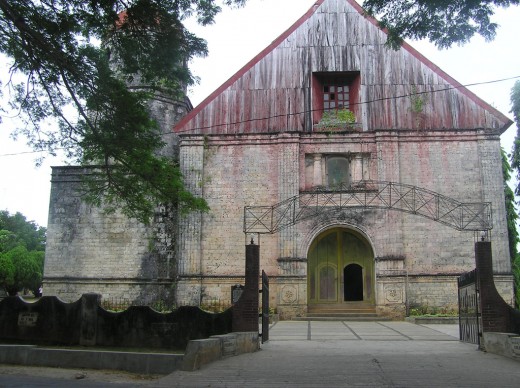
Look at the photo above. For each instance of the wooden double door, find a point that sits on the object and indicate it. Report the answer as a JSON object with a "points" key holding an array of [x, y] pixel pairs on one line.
{"points": [[340, 268]]}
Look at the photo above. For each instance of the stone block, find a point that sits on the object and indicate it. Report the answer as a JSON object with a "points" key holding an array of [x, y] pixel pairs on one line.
{"points": [[201, 352], [504, 344]]}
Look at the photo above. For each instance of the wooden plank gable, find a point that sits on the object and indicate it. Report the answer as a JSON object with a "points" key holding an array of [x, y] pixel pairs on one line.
{"points": [[274, 91]]}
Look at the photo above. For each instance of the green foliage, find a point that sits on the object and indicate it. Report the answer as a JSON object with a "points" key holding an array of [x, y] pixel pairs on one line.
{"points": [[56, 46], [16, 230], [214, 306], [22, 246], [441, 22], [121, 304], [511, 214], [162, 306], [432, 311], [341, 118], [7, 240], [515, 110], [6, 271], [515, 164], [27, 270], [416, 100]]}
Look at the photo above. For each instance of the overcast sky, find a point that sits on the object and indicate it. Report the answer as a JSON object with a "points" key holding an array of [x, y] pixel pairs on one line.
{"points": [[235, 38]]}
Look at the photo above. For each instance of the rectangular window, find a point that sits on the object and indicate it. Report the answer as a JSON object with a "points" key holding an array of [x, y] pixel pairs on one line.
{"points": [[335, 96], [335, 171], [334, 91], [338, 171]]}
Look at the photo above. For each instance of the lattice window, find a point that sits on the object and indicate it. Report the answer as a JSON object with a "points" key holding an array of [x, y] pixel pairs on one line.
{"points": [[336, 96], [334, 91]]}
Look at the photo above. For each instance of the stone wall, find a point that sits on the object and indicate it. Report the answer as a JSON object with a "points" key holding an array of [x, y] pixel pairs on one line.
{"points": [[111, 254], [234, 171], [90, 251], [50, 321]]}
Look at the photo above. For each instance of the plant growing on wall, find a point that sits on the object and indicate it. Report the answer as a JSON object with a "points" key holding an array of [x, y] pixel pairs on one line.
{"points": [[417, 104], [337, 119]]}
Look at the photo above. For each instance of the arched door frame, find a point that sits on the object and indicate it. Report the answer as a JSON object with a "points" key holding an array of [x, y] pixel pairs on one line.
{"points": [[381, 195], [340, 268]]}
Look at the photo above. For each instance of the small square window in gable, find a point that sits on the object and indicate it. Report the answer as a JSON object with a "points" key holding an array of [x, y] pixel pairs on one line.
{"points": [[334, 91]]}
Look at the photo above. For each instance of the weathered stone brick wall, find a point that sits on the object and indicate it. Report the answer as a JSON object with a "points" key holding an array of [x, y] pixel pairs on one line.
{"points": [[230, 172], [89, 251], [233, 171]]}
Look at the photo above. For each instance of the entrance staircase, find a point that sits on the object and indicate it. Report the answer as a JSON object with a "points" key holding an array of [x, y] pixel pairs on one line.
{"points": [[348, 311]]}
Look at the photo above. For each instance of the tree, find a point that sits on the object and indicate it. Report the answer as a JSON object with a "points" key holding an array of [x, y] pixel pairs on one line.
{"points": [[515, 164], [6, 271], [16, 230], [441, 22], [56, 46], [512, 232], [22, 253]]}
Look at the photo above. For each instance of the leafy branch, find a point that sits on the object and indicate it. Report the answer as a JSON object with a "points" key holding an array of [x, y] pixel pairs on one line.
{"points": [[92, 67]]}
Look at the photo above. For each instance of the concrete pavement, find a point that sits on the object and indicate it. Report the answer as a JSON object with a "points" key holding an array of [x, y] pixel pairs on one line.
{"points": [[320, 354], [356, 354]]}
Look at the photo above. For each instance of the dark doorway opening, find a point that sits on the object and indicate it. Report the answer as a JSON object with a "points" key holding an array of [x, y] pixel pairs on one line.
{"points": [[353, 282]]}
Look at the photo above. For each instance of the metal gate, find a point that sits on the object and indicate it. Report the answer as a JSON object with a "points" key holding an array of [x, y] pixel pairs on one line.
{"points": [[469, 302], [265, 307]]}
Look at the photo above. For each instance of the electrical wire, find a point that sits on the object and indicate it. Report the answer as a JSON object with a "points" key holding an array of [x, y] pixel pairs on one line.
{"points": [[355, 103], [308, 111]]}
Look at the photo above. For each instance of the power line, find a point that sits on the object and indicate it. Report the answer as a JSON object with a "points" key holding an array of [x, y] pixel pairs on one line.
{"points": [[33, 152], [355, 103], [307, 111]]}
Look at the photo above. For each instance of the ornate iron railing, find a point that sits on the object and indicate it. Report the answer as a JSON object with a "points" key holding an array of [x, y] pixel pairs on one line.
{"points": [[369, 194]]}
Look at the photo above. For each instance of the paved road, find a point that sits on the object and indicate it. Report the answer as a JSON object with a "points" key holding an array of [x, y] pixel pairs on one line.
{"points": [[355, 354], [330, 354]]}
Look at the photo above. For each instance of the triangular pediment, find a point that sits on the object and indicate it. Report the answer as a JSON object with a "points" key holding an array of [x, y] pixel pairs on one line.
{"points": [[393, 89]]}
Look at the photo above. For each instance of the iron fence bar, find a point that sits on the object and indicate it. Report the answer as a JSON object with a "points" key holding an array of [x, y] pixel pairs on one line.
{"points": [[265, 307], [469, 303]]}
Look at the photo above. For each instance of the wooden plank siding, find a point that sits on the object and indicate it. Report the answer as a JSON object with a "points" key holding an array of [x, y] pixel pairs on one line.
{"points": [[273, 92]]}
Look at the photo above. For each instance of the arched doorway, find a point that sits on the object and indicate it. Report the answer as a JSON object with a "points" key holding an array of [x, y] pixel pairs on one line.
{"points": [[340, 268], [352, 283]]}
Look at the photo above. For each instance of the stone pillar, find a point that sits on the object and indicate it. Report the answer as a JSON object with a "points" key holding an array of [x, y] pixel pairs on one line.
{"points": [[189, 250], [245, 311], [317, 176], [497, 315], [288, 186], [493, 191]]}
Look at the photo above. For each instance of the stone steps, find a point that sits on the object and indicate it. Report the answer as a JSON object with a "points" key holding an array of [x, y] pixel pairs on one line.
{"points": [[343, 318], [352, 311]]}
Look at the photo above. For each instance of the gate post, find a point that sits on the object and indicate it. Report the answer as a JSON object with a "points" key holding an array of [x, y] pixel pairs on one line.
{"points": [[495, 311], [245, 311]]}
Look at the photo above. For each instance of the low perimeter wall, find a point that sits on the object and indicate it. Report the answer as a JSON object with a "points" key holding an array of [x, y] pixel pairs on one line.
{"points": [[504, 344], [50, 321], [198, 353], [142, 363], [204, 351]]}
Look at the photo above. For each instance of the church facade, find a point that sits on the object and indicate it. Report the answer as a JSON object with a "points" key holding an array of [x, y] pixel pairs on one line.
{"points": [[326, 113]]}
